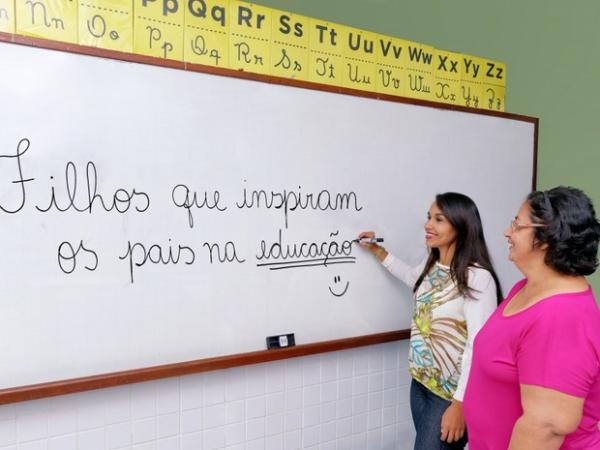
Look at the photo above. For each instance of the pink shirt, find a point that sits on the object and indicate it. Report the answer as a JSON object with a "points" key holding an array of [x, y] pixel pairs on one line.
{"points": [[553, 344]]}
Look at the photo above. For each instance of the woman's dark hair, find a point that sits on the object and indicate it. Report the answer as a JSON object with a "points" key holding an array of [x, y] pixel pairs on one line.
{"points": [[471, 249], [571, 230]]}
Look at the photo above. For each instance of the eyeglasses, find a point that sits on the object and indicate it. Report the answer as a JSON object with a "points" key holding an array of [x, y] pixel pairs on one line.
{"points": [[516, 226]]}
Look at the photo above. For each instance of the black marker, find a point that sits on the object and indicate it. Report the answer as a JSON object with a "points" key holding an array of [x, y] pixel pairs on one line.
{"points": [[366, 240]]}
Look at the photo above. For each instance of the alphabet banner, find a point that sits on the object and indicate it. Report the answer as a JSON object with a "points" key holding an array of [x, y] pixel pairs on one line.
{"points": [[243, 36]]}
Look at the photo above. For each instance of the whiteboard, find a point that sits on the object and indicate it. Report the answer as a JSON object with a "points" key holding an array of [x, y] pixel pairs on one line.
{"points": [[110, 263]]}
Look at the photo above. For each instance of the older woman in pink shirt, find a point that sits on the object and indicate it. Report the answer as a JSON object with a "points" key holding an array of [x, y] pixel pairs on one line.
{"points": [[535, 375]]}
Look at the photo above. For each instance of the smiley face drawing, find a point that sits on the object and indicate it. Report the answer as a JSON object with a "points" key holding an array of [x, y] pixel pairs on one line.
{"points": [[336, 280]]}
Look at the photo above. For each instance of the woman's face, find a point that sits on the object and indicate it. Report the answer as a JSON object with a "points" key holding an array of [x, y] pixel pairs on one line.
{"points": [[521, 237], [439, 232]]}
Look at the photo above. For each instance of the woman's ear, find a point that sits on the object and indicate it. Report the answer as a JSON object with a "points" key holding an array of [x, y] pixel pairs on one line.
{"points": [[539, 245]]}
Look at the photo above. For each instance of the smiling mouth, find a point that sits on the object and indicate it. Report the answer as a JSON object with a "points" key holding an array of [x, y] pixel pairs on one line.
{"points": [[343, 292]]}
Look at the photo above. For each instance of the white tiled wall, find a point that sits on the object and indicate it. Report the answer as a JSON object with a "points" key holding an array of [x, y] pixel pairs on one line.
{"points": [[353, 399]]}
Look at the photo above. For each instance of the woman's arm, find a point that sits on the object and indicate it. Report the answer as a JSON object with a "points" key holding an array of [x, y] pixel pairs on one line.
{"points": [[398, 268], [548, 416], [477, 310], [379, 252]]}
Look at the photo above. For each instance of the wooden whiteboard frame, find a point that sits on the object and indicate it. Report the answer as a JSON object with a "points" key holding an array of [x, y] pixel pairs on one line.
{"points": [[70, 386]]}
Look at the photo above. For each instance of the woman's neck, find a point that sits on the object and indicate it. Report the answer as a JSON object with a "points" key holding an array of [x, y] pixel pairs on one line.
{"points": [[447, 254], [541, 277]]}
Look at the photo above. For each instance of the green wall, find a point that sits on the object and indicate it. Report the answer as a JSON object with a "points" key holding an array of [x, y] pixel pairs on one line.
{"points": [[552, 52]]}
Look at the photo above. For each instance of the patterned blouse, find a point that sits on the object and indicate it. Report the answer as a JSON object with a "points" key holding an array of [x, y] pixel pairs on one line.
{"points": [[444, 324]]}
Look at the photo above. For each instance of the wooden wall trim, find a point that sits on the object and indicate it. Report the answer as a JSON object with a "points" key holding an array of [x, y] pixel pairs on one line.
{"points": [[63, 387]]}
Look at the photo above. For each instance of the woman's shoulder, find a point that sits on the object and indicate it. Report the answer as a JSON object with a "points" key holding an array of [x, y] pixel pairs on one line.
{"points": [[572, 320], [480, 277], [568, 312], [579, 305]]}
